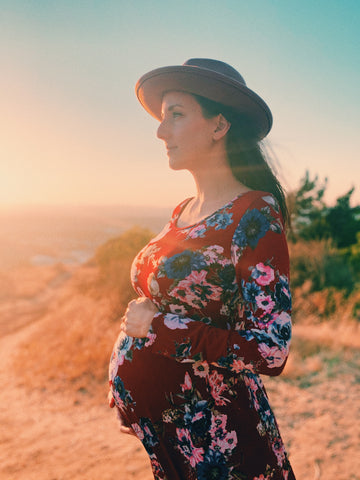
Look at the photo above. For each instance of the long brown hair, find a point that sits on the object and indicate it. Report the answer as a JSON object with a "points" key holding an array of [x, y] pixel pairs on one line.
{"points": [[245, 155]]}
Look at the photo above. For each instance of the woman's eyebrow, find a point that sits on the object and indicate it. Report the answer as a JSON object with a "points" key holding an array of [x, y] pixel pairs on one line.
{"points": [[170, 108]]}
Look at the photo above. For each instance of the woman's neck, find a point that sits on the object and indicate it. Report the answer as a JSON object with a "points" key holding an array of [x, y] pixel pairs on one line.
{"points": [[215, 186]]}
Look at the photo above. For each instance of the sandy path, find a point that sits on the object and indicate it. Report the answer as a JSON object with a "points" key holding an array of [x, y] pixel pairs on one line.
{"points": [[56, 437], [46, 437]]}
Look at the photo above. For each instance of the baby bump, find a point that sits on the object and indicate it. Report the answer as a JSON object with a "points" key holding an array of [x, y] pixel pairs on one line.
{"points": [[142, 380]]}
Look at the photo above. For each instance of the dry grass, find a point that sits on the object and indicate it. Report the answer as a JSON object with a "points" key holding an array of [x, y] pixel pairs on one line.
{"points": [[71, 346]]}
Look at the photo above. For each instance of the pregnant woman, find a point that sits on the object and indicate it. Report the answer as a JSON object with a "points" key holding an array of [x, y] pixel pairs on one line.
{"points": [[213, 306]]}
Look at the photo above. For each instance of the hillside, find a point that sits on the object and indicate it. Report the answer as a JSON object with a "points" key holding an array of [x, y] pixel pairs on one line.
{"points": [[57, 326]]}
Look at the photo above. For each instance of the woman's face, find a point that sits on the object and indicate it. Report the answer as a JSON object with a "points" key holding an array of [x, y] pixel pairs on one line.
{"points": [[187, 134]]}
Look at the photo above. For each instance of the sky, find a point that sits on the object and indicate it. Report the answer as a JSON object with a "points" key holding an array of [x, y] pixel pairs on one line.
{"points": [[73, 133]]}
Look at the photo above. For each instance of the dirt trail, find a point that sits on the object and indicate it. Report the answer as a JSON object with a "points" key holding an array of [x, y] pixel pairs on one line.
{"points": [[47, 437], [57, 437]]}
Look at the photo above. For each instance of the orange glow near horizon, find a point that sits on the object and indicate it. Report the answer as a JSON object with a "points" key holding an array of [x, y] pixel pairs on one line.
{"points": [[55, 153]]}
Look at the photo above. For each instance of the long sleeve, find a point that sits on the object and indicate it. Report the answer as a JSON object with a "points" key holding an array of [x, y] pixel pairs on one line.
{"points": [[260, 336]]}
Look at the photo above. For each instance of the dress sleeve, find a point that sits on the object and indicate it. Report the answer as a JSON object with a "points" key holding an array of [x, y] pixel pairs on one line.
{"points": [[260, 340]]}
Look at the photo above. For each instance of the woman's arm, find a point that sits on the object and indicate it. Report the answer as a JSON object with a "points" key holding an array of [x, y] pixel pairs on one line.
{"points": [[261, 344]]}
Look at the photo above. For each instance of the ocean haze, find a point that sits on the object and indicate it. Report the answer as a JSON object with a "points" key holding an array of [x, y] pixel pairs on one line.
{"points": [[45, 235]]}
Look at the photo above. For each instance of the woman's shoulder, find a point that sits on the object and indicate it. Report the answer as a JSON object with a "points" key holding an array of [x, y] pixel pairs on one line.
{"points": [[255, 199], [259, 197], [256, 202]]}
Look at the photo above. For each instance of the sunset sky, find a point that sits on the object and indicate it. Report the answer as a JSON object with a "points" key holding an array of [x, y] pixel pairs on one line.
{"points": [[72, 131]]}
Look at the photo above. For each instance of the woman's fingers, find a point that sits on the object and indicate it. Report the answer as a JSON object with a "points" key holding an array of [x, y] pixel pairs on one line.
{"points": [[138, 317], [122, 427], [127, 430]]}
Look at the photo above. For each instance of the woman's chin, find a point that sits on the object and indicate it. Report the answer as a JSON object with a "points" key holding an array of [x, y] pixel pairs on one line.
{"points": [[174, 165]]}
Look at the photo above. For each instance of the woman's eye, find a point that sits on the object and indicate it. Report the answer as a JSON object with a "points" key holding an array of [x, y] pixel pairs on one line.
{"points": [[176, 114]]}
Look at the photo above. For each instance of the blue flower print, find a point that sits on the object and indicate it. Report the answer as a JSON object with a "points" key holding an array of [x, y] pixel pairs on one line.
{"points": [[213, 466], [227, 276], [250, 291], [282, 293], [197, 232], [182, 264], [198, 419], [175, 321], [150, 439], [121, 391], [253, 226], [125, 345], [280, 330], [220, 220]]}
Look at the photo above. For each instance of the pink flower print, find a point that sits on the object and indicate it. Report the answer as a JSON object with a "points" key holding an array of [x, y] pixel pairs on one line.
{"points": [[186, 447], [250, 383], [265, 302], [252, 387], [283, 319], [119, 402], [187, 385], [218, 424], [224, 262], [230, 440], [273, 355], [201, 369], [217, 388], [212, 253], [195, 290], [174, 322], [225, 443], [263, 274], [238, 366], [156, 467], [177, 309], [151, 337], [279, 450], [197, 232], [261, 477], [139, 433]]}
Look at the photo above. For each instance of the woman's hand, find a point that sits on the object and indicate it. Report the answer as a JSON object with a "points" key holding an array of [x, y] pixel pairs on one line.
{"points": [[138, 317]]}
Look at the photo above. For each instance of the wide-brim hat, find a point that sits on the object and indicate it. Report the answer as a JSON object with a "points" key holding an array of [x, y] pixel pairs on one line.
{"points": [[209, 78]]}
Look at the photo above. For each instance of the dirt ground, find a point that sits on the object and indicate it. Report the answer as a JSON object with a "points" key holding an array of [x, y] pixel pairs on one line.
{"points": [[54, 436]]}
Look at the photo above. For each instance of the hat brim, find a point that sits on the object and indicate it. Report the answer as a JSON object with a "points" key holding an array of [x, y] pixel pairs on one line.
{"points": [[151, 87]]}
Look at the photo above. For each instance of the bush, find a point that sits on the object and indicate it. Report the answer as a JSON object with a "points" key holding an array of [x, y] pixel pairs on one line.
{"points": [[114, 260], [322, 266]]}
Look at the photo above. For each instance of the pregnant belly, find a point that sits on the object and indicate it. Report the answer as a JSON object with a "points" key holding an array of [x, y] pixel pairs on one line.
{"points": [[141, 380]]}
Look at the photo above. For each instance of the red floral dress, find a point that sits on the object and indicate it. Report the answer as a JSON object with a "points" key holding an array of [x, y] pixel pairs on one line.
{"points": [[191, 389]]}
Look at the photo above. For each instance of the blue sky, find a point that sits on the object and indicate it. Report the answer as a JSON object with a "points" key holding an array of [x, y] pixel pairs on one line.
{"points": [[73, 132]]}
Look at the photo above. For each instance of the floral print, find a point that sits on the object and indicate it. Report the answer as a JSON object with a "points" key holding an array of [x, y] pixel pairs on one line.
{"points": [[191, 389]]}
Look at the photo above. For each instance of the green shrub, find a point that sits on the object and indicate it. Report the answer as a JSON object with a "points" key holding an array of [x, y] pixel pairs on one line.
{"points": [[322, 265]]}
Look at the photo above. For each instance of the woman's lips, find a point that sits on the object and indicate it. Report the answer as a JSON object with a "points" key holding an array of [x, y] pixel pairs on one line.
{"points": [[169, 149]]}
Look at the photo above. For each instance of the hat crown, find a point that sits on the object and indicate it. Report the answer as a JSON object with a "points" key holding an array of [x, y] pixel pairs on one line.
{"points": [[216, 66]]}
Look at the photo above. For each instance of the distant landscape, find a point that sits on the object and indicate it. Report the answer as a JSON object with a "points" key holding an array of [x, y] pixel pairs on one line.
{"points": [[64, 283], [42, 235]]}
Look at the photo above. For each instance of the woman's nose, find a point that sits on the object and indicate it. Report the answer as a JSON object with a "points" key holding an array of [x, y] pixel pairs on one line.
{"points": [[161, 131]]}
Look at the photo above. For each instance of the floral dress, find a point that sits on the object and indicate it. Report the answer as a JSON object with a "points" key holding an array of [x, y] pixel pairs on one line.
{"points": [[191, 389]]}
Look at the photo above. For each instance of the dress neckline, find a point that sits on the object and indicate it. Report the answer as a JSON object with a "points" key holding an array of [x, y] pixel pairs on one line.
{"points": [[202, 220]]}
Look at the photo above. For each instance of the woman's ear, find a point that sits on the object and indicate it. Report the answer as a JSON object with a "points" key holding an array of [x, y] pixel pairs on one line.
{"points": [[221, 128]]}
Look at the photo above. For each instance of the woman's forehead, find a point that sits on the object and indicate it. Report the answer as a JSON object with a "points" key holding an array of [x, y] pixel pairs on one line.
{"points": [[178, 98]]}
